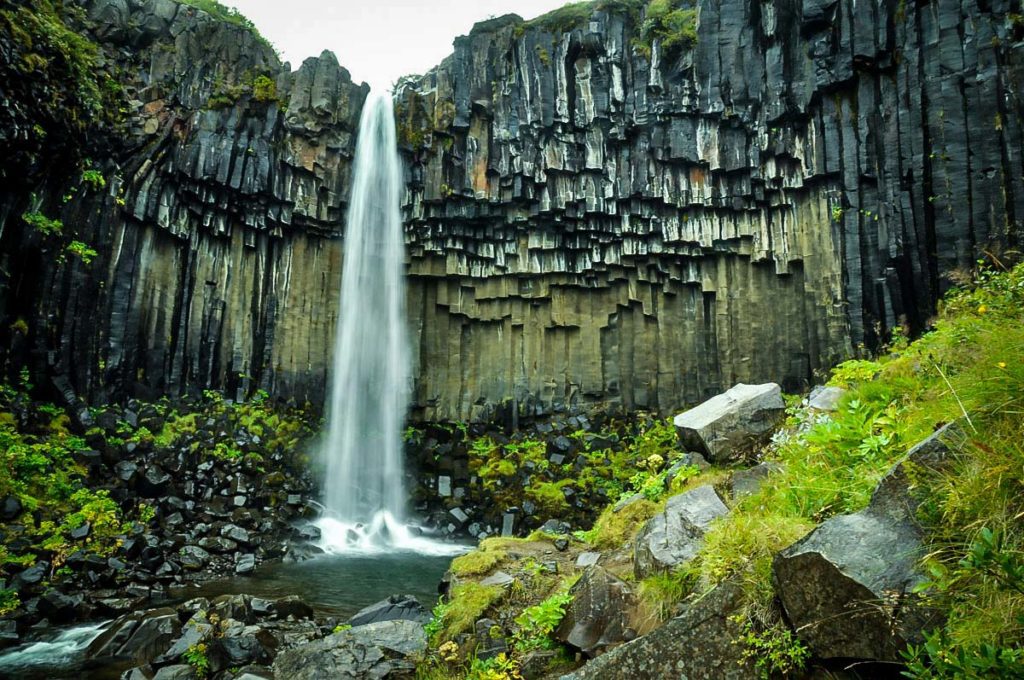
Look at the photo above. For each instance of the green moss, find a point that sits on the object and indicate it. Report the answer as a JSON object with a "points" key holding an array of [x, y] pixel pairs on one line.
{"points": [[264, 89], [479, 562], [82, 251], [613, 529], [467, 603]]}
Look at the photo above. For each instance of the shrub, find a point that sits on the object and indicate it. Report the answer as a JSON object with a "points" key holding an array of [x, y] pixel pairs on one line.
{"points": [[82, 251], [43, 224]]}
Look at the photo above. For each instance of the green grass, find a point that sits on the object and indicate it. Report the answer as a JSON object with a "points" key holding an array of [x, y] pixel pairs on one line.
{"points": [[228, 15], [467, 603], [968, 367], [479, 562]]}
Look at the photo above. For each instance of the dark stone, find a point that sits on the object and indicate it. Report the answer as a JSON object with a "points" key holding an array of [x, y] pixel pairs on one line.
{"points": [[11, 508], [58, 607], [292, 607], [849, 585], [597, 618], [396, 607], [153, 483], [245, 564], [140, 637], [301, 553], [699, 644], [490, 640], [377, 650], [674, 536]]}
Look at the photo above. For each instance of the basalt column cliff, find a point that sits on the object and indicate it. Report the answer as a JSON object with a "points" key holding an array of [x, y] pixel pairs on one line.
{"points": [[594, 218], [592, 215]]}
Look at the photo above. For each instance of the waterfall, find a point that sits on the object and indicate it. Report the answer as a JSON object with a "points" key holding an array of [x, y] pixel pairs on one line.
{"points": [[363, 492]]}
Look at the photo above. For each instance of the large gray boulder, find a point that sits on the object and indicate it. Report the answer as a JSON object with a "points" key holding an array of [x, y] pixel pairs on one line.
{"points": [[140, 637], [376, 650], [598, 617], [730, 426], [396, 607], [696, 645], [674, 536], [847, 587]]}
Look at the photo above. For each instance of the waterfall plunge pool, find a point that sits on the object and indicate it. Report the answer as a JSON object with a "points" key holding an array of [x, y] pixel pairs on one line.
{"points": [[335, 586]]}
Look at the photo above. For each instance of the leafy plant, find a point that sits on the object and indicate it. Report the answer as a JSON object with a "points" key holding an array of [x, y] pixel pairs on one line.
{"points": [[43, 224], [196, 657], [82, 251], [775, 651], [536, 623]]}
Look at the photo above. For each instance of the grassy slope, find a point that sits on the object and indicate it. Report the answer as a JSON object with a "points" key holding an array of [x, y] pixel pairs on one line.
{"points": [[970, 366]]}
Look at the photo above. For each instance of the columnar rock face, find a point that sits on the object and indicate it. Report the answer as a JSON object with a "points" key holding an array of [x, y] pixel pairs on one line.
{"points": [[219, 262], [590, 224], [587, 221]]}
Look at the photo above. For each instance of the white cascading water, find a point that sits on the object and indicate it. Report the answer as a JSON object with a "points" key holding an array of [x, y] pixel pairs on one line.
{"points": [[364, 497]]}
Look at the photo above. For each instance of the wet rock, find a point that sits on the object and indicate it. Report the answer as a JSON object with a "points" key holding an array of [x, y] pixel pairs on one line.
{"points": [[301, 552], [193, 557], [587, 559], [196, 631], [8, 634], [218, 545], [396, 607], [241, 650], [377, 650], [10, 509], [848, 586], [176, 672], [293, 607], [58, 607], [696, 645], [140, 637], [31, 576], [597, 618], [245, 564], [235, 533], [674, 536], [731, 425], [153, 482]]}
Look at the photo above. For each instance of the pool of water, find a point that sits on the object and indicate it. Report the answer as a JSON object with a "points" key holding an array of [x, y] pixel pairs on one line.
{"points": [[334, 585]]}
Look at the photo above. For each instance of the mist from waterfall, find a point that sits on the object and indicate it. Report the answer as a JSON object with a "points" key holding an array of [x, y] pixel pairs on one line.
{"points": [[364, 497]]}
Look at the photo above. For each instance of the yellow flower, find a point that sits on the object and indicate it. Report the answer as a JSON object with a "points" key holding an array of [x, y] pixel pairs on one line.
{"points": [[982, 309], [1001, 364]]}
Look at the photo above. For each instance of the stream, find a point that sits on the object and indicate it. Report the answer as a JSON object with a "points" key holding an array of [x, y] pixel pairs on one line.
{"points": [[335, 586]]}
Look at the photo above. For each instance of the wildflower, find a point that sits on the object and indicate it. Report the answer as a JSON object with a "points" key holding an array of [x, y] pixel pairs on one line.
{"points": [[1001, 364], [982, 309]]}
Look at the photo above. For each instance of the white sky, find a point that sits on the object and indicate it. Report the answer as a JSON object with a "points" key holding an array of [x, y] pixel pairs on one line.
{"points": [[378, 41]]}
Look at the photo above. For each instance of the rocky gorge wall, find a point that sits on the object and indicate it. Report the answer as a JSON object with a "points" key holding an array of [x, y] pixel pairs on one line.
{"points": [[218, 228], [586, 223]]}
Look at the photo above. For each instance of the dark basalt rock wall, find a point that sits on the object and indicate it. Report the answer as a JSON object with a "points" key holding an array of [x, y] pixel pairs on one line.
{"points": [[588, 224], [218, 228]]}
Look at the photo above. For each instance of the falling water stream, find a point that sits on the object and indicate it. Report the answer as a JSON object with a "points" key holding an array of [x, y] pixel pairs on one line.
{"points": [[363, 495]]}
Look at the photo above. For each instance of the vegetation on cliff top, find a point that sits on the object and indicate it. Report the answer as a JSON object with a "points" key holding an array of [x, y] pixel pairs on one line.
{"points": [[228, 15], [62, 96]]}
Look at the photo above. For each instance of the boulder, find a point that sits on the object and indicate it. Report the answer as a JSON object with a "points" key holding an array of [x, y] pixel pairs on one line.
{"points": [[748, 482], [825, 399], [396, 607], [58, 607], [733, 424], [848, 585], [140, 637], [696, 645], [598, 617], [376, 650], [176, 672], [674, 536]]}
